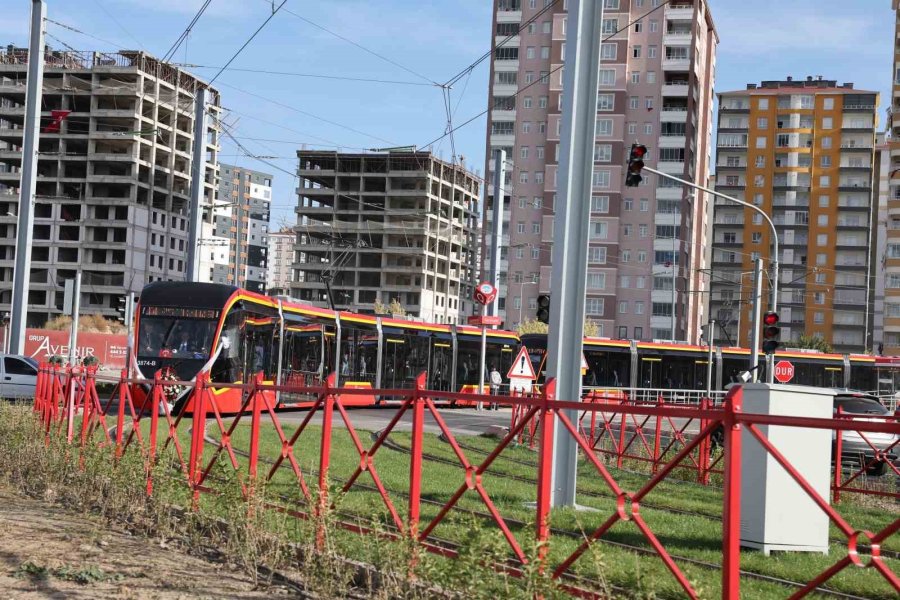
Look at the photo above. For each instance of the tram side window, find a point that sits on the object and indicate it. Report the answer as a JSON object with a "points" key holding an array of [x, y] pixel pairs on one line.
{"points": [[405, 356], [257, 335], [467, 362], [359, 354], [227, 365], [303, 356]]}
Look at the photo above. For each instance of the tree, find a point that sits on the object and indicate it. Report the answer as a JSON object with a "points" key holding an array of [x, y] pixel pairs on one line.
{"points": [[86, 324], [812, 342], [591, 329], [396, 308], [381, 308], [532, 326]]}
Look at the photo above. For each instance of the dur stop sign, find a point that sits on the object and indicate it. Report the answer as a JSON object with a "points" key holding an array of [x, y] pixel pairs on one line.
{"points": [[784, 371]]}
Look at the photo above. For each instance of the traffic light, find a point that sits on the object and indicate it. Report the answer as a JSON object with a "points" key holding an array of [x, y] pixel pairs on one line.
{"points": [[635, 164], [771, 331], [121, 309], [543, 309]]}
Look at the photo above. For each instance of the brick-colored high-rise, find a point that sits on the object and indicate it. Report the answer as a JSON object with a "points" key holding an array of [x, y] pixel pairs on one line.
{"points": [[802, 150], [891, 257], [655, 88]]}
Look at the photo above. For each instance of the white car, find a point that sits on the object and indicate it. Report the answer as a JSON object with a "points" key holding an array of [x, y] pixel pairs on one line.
{"points": [[18, 376]]}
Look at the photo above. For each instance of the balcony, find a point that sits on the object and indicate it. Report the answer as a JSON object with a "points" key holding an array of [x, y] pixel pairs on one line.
{"points": [[680, 11], [676, 64], [678, 90], [673, 114]]}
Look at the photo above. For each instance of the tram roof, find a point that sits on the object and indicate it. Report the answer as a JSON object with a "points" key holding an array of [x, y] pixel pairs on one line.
{"points": [[186, 293]]}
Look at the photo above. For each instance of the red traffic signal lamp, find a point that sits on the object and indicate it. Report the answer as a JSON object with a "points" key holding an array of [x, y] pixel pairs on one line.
{"points": [[543, 308], [771, 331], [635, 165]]}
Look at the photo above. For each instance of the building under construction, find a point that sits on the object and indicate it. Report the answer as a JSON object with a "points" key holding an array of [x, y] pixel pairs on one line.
{"points": [[113, 177], [389, 226]]}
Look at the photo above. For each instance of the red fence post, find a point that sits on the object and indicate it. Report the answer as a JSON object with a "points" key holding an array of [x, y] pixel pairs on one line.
{"points": [[415, 455], [731, 516], [120, 413], [621, 449], [545, 470], [324, 461], [156, 397], [657, 437], [838, 450], [705, 447], [255, 414], [69, 399], [198, 434]]}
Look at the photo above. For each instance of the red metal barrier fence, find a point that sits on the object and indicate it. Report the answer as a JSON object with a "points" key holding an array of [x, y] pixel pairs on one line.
{"points": [[605, 428]]}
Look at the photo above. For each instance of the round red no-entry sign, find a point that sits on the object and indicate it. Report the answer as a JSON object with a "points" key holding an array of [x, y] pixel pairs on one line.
{"points": [[784, 371]]}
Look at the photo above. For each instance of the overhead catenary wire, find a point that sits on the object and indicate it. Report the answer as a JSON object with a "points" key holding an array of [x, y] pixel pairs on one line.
{"points": [[170, 53], [358, 45], [80, 32], [309, 75], [247, 43], [544, 79], [119, 25]]}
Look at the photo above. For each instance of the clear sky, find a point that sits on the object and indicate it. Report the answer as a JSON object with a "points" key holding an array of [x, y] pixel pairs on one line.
{"points": [[423, 41]]}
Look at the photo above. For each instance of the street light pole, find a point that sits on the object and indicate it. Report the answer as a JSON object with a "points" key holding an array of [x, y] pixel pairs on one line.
{"points": [[773, 259]]}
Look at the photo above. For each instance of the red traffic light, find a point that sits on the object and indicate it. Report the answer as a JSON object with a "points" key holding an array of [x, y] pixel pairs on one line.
{"points": [[770, 318], [638, 151]]}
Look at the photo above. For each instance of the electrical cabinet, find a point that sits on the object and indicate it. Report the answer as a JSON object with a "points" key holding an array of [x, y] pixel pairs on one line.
{"points": [[776, 514]]}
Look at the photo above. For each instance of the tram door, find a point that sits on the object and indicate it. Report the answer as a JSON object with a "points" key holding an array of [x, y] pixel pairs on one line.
{"points": [[651, 374], [441, 364]]}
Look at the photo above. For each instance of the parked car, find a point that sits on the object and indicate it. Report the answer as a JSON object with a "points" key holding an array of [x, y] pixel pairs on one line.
{"points": [[854, 449], [18, 376]]}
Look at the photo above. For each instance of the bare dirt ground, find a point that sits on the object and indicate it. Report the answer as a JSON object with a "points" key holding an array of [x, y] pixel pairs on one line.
{"points": [[47, 552]]}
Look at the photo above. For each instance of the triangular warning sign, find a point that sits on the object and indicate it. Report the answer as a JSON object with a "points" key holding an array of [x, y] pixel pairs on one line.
{"points": [[521, 367], [584, 365]]}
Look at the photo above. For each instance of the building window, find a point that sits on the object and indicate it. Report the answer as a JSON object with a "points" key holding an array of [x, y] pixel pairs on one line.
{"points": [[633, 102], [651, 51], [651, 76], [648, 128], [819, 318], [645, 204], [824, 181], [827, 123], [826, 142], [545, 52], [626, 230], [605, 102], [609, 26], [535, 253], [601, 178], [604, 127], [542, 102], [535, 227], [538, 202], [623, 309], [520, 227], [635, 77], [627, 204], [635, 52], [523, 152], [761, 141], [539, 177], [596, 281], [825, 161], [599, 230], [642, 256], [632, 128], [523, 177], [593, 306], [608, 51], [597, 254], [600, 204], [602, 152], [756, 237], [626, 256], [607, 77], [828, 103]]}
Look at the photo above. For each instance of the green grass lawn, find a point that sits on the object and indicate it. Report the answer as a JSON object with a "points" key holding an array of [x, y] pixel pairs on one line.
{"points": [[694, 536]]}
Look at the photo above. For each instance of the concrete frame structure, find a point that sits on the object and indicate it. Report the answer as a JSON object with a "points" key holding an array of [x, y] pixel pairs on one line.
{"points": [[803, 151], [656, 88], [891, 266], [242, 217], [113, 190], [280, 262], [397, 225]]}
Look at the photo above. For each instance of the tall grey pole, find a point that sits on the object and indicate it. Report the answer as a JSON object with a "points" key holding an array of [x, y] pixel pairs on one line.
{"points": [[709, 356], [674, 269], [497, 225], [198, 180], [756, 307], [76, 308], [570, 232], [129, 325], [25, 225]]}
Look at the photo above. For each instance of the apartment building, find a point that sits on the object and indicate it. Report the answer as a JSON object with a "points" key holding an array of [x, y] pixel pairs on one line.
{"points": [[241, 215], [803, 151], [114, 175], [881, 197], [890, 267], [385, 226], [280, 261], [655, 88]]}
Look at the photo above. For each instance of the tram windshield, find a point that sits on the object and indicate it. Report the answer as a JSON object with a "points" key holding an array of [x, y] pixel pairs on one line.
{"points": [[174, 332]]}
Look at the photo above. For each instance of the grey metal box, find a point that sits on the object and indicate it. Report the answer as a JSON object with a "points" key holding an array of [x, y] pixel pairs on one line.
{"points": [[776, 514]]}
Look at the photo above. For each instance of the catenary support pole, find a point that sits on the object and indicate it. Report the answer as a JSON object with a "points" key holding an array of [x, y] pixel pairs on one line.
{"points": [[756, 308], [73, 331], [33, 96], [570, 232], [674, 273], [497, 227], [198, 187], [129, 324]]}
